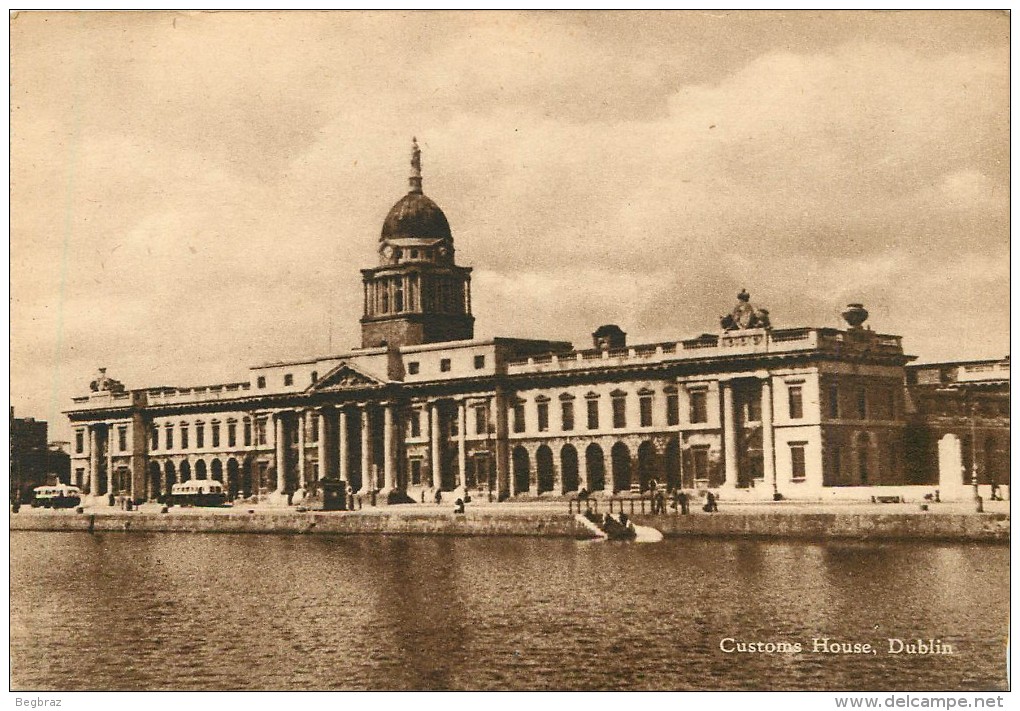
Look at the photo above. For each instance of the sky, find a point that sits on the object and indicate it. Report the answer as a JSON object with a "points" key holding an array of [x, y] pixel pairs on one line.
{"points": [[194, 193]]}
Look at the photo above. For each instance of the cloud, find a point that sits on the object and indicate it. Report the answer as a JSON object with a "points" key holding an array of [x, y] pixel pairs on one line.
{"points": [[194, 193]]}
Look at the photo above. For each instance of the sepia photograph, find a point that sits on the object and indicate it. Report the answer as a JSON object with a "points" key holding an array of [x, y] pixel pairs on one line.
{"points": [[510, 351]]}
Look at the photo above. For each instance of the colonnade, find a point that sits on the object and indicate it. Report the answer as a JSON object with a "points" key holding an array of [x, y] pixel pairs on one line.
{"points": [[368, 414], [731, 456]]}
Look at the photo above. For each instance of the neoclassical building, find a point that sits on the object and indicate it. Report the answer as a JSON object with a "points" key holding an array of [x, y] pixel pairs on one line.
{"points": [[747, 409]]}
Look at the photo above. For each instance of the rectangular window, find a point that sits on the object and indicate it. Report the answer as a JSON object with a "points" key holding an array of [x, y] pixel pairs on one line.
{"points": [[122, 439], [184, 436], [797, 467], [519, 417], [646, 411], [754, 408], [891, 415], [232, 434], [619, 411], [313, 435], [796, 398], [169, 436], [593, 414], [294, 431], [543, 416], [455, 426], [79, 476], [481, 419], [567, 415], [154, 438], [699, 406], [200, 435], [479, 362], [833, 402], [862, 404], [215, 434], [444, 365], [672, 409], [288, 379], [412, 367], [247, 433], [260, 431], [79, 441], [415, 471], [260, 382], [699, 460], [415, 423]]}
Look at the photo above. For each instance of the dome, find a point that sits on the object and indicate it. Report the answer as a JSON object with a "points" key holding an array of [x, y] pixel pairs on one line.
{"points": [[415, 216]]}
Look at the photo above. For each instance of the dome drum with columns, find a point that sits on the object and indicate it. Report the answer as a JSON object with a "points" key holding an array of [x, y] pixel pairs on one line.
{"points": [[417, 294]]}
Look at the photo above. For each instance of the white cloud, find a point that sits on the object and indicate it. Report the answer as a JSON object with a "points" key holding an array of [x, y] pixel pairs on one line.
{"points": [[229, 175]]}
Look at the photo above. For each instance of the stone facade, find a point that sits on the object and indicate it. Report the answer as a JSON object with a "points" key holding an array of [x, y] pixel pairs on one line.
{"points": [[748, 410]]}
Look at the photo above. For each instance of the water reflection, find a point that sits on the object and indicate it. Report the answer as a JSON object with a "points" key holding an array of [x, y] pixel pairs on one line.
{"points": [[312, 612]]}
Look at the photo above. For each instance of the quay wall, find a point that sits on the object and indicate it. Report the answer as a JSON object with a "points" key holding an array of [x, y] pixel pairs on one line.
{"points": [[971, 527], [547, 525]]}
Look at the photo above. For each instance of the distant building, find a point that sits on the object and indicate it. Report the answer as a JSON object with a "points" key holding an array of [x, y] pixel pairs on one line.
{"points": [[959, 405], [750, 410], [29, 455]]}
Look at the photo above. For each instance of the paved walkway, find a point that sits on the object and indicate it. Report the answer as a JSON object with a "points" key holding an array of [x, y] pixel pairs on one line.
{"points": [[531, 507]]}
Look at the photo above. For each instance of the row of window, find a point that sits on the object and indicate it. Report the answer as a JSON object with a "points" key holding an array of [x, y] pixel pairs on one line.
{"points": [[215, 430], [698, 410], [445, 365], [413, 367], [879, 407], [288, 380], [697, 414], [172, 435], [798, 462]]}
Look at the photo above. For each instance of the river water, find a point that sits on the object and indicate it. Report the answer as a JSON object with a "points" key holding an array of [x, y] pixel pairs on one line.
{"points": [[189, 611]]}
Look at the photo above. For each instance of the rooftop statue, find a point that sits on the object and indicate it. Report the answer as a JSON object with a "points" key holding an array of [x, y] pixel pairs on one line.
{"points": [[103, 383], [744, 315]]}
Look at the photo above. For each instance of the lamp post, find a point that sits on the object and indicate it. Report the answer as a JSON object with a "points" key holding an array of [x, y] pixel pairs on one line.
{"points": [[973, 454]]}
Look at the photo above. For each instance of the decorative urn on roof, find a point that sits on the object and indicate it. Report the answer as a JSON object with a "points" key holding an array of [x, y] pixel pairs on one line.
{"points": [[855, 315]]}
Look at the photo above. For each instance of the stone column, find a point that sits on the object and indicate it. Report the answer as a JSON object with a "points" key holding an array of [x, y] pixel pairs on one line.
{"points": [[109, 459], [768, 434], [503, 475], [343, 447], [461, 443], [323, 463], [729, 436], [281, 451], [367, 484], [93, 461], [301, 425], [389, 449], [435, 446], [582, 467]]}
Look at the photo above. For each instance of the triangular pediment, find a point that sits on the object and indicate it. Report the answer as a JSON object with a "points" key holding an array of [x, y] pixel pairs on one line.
{"points": [[345, 377]]}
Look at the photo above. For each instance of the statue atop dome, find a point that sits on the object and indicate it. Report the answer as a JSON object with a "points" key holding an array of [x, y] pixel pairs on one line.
{"points": [[744, 315], [415, 166]]}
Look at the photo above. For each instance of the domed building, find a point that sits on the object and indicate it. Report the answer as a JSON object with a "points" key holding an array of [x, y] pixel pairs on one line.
{"points": [[417, 294], [747, 410]]}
